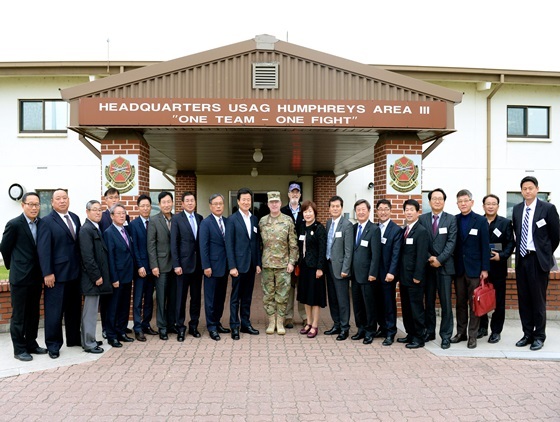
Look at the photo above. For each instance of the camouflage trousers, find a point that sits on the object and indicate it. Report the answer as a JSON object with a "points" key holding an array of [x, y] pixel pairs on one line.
{"points": [[276, 288]]}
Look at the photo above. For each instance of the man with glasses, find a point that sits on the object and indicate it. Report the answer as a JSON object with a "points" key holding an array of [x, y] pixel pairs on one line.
{"points": [[18, 248]]}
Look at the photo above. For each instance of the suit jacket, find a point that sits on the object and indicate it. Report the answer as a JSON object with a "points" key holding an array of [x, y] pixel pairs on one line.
{"points": [[106, 220], [546, 237], [472, 251], [20, 252], [95, 261], [315, 245], [139, 235], [442, 244], [414, 254], [213, 246], [184, 244], [501, 232], [342, 247], [367, 253], [59, 253], [391, 243], [121, 259], [299, 222], [242, 250], [159, 244]]}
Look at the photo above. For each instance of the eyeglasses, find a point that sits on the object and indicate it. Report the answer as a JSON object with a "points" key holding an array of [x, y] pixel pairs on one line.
{"points": [[32, 205], [464, 201], [96, 210], [437, 199]]}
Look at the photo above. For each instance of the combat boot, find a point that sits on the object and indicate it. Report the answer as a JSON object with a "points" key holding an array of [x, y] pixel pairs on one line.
{"points": [[280, 325], [271, 324]]}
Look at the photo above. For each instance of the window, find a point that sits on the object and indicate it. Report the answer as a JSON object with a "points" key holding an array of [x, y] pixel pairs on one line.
{"points": [[260, 203], [527, 122], [426, 208], [514, 198], [45, 195], [43, 116]]}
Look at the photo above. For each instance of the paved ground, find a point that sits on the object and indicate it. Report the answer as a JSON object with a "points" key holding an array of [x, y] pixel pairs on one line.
{"points": [[290, 378]]}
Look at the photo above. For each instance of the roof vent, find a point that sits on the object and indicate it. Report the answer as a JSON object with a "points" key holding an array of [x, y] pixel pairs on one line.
{"points": [[265, 75]]}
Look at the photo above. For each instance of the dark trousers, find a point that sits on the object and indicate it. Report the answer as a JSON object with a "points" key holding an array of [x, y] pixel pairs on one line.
{"points": [[412, 304], [214, 298], [363, 302], [143, 302], [166, 293], [118, 311], [386, 306], [24, 323], [104, 302], [339, 299], [186, 282], [240, 299], [532, 283], [440, 283], [467, 322], [499, 314], [64, 300]]}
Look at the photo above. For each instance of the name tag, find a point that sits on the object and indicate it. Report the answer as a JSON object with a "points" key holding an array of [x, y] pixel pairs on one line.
{"points": [[474, 232], [364, 243], [338, 234], [302, 237], [497, 232], [383, 240], [255, 229], [443, 230], [409, 241], [541, 223]]}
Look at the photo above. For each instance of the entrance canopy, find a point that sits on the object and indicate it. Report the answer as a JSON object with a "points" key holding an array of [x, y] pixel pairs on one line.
{"points": [[308, 112]]}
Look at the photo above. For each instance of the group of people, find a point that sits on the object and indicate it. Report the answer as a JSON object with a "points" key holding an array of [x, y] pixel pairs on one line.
{"points": [[110, 259]]}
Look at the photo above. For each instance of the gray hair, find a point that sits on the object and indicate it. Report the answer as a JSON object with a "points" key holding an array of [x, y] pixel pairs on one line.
{"points": [[91, 203], [114, 207], [464, 192], [214, 196]]}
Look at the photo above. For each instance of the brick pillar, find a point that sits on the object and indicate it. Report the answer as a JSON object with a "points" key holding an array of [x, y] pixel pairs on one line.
{"points": [[324, 188], [185, 181], [118, 143]]}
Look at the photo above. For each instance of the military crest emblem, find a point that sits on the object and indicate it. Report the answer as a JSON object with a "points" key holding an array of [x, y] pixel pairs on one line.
{"points": [[120, 174], [403, 174]]}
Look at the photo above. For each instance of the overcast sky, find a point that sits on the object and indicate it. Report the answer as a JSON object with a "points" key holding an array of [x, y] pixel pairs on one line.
{"points": [[497, 34]]}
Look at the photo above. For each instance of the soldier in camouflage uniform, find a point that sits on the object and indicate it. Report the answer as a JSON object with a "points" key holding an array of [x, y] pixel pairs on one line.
{"points": [[280, 254]]}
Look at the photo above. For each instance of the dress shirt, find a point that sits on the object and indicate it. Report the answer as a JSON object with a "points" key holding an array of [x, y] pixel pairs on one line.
{"points": [[32, 227], [247, 219], [69, 219], [383, 227], [223, 226], [530, 243]]}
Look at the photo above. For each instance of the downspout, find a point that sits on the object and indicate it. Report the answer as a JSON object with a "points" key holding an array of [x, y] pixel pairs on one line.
{"points": [[489, 134]]}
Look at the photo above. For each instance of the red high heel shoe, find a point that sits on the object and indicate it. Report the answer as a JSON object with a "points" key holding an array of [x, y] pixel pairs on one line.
{"points": [[305, 329]]}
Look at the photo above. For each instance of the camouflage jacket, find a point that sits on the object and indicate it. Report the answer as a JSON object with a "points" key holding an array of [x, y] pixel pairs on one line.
{"points": [[279, 241]]}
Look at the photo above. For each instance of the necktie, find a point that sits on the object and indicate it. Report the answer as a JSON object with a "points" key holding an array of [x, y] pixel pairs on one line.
{"points": [[33, 228], [221, 227], [70, 226], [359, 234], [125, 237], [147, 222], [435, 224], [524, 233], [193, 224], [406, 231], [330, 240], [168, 223]]}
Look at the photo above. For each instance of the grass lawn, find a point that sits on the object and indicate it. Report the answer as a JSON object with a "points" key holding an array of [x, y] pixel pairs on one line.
{"points": [[3, 273]]}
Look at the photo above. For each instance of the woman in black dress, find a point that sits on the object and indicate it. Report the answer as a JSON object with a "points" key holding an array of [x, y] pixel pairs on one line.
{"points": [[312, 290]]}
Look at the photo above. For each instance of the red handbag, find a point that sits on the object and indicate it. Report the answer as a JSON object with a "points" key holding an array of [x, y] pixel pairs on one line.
{"points": [[484, 298]]}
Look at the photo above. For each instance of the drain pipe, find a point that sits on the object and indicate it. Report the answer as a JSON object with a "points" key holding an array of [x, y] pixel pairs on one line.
{"points": [[489, 134]]}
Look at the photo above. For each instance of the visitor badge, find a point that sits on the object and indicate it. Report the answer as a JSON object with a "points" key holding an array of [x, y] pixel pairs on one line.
{"points": [[497, 232], [255, 229], [383, 240], [364, 243], [443, 230], [409, 241], [541, 223], [302, 237], [474, 232], [338, 234]]}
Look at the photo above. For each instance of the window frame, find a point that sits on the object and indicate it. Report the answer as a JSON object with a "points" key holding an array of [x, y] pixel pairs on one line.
{"points": [[525, 134], [23, 101]]}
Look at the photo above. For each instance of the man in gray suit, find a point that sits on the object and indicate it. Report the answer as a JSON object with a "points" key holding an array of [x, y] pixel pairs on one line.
{"points": [[442, 228], [340, 245], [159, 255]]}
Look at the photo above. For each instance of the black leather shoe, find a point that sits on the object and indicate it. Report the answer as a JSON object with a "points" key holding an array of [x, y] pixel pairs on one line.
{"points": [[537, 345], [343, 335], [194, 332], [38, 351], [359, 335], [222, 330], [250, 330], [163, 335], [368, 339], [388, 341], [99, 343], [128, 330], [104, 334], [24, 357], [235, 333], [379, 334], [458, 338], [471, 343], [525, 340], [125, 338], [54, 355], [214, 335], [332, 331], [445, 344], [114, 343], [95, 350], [289, 323], [494, 338], [415, 345], [150, 331], [181, 335], [482, 332], [140, 336], [406, 339]]}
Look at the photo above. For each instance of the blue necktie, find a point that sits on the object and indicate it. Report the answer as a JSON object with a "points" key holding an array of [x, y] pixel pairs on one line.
{"points": [[330, 240], [193, 224], [359, 235]]}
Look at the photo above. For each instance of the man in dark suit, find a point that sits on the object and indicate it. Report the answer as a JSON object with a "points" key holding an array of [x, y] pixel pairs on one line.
{"points": [[537, 234], [414, 255], [472, 262], [365, 269], [442, 229], [143, 289], [121, 273], [185, 254], [340, 245], [95, 274], [502, 244], [385, 285], [18, 248], [212, 242], [292, 210], [159, 255], [243, 248]]}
